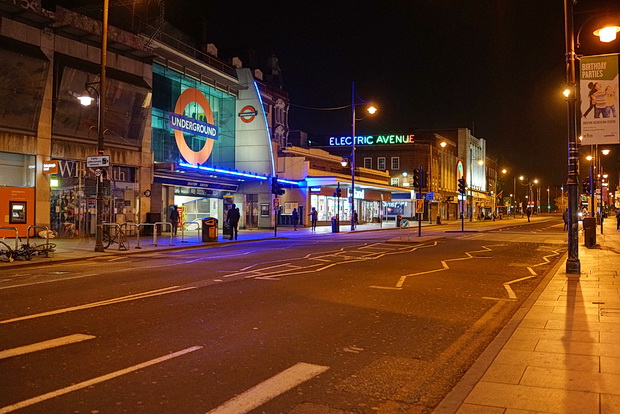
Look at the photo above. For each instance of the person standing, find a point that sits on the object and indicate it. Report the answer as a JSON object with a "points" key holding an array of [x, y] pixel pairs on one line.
{"points": [[314, 216], [565, 218], [233, 219], [528, 212], [174, 218], [617, 219], [295, 218]]}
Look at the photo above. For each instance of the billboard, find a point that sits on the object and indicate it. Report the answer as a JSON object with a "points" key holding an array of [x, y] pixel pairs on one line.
{"points": [[598, 89]]}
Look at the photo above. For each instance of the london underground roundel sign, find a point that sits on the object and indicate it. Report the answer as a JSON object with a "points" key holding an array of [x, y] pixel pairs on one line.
{"points": [[203, 127], [248, 113]]}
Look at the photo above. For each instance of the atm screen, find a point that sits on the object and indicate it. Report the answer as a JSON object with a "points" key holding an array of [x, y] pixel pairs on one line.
{"points": [[18, 212]]}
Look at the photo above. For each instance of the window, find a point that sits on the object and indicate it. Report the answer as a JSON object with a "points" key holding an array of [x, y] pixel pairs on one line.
{"points": [[396, 163], [381, 163], [367, 162], [395, 181]]}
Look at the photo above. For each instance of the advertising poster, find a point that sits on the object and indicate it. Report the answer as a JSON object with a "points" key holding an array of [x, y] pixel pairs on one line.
{"points": [[598, 89]]}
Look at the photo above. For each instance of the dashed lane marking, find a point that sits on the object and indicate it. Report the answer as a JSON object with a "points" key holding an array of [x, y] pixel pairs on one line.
{"points": [[270, 388], [39, 346], [94, 381], [137, 296]]}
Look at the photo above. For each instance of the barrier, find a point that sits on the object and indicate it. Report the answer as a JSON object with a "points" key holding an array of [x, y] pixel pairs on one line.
{"points": [[155, 231], [16, 235], [198, 224], [137, 226], [47, 238]]}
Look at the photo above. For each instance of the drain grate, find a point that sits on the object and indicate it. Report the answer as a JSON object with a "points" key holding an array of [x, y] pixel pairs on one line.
{"points": [[610, 311]]}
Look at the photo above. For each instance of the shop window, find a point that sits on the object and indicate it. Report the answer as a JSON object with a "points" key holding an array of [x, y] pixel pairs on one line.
{"points": [[381, 163], [17, 170], [396, 163], [368, 162]]}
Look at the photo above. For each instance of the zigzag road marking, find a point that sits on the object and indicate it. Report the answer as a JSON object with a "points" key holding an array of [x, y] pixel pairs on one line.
{"points": [[444, 264], [325, 261], [511, 293]]}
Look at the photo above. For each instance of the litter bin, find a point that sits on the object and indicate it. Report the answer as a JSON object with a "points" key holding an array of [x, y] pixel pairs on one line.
{"points": [[335, 225], [399, 218], [589, 231], [209, 229]]}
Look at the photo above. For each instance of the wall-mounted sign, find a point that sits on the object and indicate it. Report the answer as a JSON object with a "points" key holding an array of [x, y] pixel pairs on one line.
{"points": [[248, 113], [388, 139], [315, 189], [201, 124], [50, 167]]}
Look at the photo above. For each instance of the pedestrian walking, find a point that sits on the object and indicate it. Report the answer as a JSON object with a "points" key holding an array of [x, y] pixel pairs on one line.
{"points": [[314, 216], [565, 218], [295, 218], [528, 212], [233, 219], [617, 219], [174, 218], [355, 219]]}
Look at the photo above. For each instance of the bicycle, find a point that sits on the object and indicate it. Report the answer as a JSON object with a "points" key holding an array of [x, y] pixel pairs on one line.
{"points": [[119, 238], [25, 251], [6, 253]]}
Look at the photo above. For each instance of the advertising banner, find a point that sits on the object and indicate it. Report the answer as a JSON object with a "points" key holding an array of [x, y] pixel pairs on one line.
{"points": [[598, 89]]}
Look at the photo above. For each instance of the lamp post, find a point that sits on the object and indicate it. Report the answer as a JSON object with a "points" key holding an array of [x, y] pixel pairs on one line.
{"points": [[601, 176], [573, 266], [371, 110], [86, 99]]}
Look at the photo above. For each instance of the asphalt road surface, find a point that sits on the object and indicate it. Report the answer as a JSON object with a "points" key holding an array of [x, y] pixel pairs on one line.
{"points": [[350, 323]]}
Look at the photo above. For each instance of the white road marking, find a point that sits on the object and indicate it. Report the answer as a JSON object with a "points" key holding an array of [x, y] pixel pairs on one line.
{"points": [[158, 292], [269, 389], [511, 293], [444, 264], [39, 346], [97, 380], [47, 281]]}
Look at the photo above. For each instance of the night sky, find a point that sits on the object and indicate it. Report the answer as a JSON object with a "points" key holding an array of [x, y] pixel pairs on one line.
{"points": [[495, 67]]}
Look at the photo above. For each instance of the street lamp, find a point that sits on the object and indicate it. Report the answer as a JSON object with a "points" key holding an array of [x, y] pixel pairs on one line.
{"points": [[607, 34], [86, 99], [371, 110]]}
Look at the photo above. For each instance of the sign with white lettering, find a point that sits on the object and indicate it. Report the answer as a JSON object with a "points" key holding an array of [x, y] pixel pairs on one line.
{"points": [[98, 161]]}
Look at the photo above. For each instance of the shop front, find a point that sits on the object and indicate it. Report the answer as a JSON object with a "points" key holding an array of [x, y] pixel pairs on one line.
{"points": [[74, 196]]}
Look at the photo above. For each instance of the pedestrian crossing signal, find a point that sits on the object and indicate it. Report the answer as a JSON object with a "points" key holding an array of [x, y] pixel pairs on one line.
{"points": [[461, 185]]}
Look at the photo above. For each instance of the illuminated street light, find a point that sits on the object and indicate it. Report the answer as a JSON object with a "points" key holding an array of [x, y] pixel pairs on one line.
{"points": [[371, 109], [86, 99]]}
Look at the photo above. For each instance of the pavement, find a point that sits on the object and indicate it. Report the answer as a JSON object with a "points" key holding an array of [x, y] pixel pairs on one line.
{"points": [[560, 352]]}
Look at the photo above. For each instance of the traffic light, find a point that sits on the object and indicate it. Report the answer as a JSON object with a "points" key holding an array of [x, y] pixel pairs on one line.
{"points": [[275, 186], [586, 186], [416, 178], [462, 185], [338, 192]]}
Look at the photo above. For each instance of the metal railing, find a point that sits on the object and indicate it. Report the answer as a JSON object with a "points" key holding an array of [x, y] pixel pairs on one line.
{"points": [[16, 235], [47, 237], [198, 228], [166, 223]]}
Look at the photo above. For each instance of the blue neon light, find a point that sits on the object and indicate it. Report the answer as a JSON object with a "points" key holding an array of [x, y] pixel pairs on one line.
{"points": [[237, 173]]}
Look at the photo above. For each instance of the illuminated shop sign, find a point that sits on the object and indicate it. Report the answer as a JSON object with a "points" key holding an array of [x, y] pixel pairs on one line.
{"points": [[373, 140]]}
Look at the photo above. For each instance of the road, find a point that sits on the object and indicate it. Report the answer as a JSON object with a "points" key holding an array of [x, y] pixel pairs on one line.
{"points": [[359, 322]]}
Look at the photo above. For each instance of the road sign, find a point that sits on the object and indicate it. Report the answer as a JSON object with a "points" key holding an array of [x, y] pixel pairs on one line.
{"points": [[419, 206], [404, 223], [98, 161]]}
